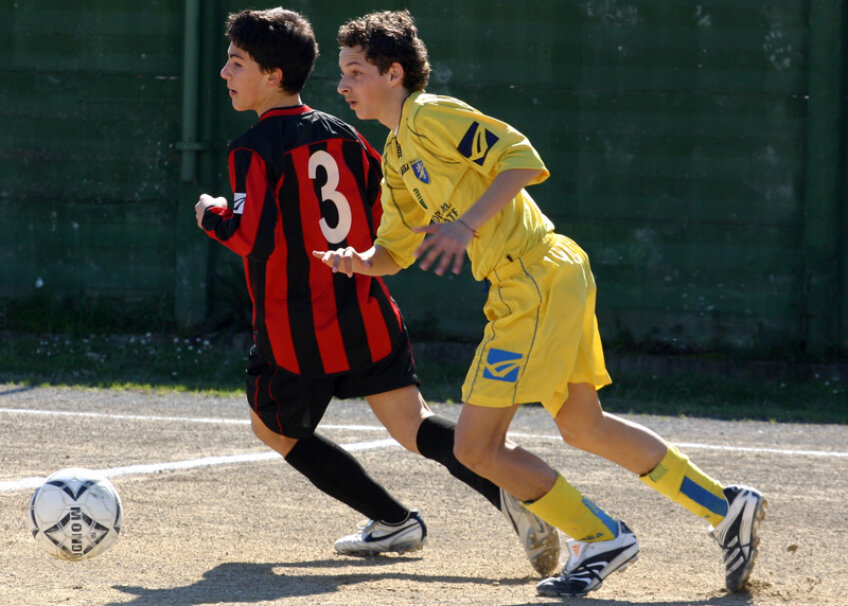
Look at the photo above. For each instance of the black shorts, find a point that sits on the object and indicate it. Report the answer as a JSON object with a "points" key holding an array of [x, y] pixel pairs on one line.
{"points": [[292, 405]]}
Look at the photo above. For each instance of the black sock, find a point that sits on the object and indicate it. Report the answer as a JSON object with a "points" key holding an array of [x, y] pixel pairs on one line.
{"points": [[435, 441], [335, 472]]}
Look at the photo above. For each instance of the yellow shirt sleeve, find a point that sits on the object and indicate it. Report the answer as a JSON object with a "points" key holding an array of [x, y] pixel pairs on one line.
{"points": [[460, 133], [441, 159]]}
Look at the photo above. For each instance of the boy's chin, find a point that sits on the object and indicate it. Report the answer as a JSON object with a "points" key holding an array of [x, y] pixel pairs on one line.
{"points": [[238, 106]]}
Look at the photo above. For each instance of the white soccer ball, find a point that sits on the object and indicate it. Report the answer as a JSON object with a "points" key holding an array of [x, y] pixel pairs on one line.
{"points": [[75, 514]]}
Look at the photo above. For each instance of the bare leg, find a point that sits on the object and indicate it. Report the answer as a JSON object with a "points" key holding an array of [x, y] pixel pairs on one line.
{"points": [[482, 446], [401, 412], [405, 414], [335, 472], [275, 441], [410, 421], [584, 425]]}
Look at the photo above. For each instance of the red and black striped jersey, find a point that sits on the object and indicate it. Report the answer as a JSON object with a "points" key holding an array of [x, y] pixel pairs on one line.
{"points": [[304, 180]]}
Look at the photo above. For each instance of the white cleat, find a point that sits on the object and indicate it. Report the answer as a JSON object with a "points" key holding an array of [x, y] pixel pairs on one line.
{"points": [[379, 537], [590, 563], [737, 535], [539, 539]]}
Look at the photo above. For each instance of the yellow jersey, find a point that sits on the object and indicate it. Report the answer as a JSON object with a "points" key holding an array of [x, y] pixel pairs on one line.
{"points": [[443, 157]]}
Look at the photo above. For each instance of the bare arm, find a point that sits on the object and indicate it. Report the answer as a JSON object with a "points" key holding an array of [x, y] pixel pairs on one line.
{"points": [[500, 193], [376, 261], [449, 240]]}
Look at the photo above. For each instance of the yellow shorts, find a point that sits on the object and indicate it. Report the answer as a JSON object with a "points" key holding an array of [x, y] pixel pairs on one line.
{"points": [[542, 332]]}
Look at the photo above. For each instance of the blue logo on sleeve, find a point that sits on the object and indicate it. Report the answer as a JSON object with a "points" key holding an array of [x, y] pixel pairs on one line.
{"points": [[502, 365], [476, 143]]}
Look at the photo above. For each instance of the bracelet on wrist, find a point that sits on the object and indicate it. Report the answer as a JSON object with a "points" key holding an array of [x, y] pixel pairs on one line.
{"points": [[471, 229]]}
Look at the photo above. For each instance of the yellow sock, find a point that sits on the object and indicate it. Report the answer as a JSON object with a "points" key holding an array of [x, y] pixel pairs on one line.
{"points": [[564, 507], [679, 480]]}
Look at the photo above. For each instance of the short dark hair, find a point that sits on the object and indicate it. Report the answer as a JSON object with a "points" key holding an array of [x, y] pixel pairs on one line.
{"points": [[276, 37], [388, 37]]}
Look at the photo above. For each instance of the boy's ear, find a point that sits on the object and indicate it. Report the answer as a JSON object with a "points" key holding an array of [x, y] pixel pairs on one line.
{"points": [[396, 73], [275, 77]]}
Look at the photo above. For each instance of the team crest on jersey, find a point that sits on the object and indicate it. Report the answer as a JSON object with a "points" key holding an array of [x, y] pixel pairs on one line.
{"points": [[420, 171], [476, 143], [238, 203], [502, 365]]}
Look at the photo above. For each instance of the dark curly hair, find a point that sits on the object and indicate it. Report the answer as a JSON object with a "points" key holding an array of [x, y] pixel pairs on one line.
{"points": [[388, 37], [276, 37]]}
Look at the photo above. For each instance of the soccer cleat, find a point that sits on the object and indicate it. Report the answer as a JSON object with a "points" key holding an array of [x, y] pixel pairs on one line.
{"points": [[590, 563], [737, 536], [539, 539], [379, 537]]}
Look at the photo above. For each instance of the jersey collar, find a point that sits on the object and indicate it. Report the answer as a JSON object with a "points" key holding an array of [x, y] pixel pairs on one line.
{"points": [[406, 109], [286, 111]]}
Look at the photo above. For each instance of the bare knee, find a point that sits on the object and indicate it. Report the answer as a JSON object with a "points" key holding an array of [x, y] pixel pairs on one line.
{"points": [[475, 456], [581, 421], [582, 436]]}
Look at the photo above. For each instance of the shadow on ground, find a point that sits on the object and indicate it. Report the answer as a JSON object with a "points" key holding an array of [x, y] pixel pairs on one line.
{"points": [[240, 582]]}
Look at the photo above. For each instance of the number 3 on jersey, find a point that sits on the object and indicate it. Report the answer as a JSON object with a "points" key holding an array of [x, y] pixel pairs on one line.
{"points": [[329, 193]]}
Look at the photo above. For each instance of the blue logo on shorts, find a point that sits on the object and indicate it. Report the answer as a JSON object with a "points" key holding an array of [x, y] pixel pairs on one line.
{"points": [[502, 365]]}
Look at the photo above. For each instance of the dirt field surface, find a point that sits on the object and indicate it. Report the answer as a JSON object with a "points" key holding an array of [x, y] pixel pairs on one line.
{"points": [[212, 518]]}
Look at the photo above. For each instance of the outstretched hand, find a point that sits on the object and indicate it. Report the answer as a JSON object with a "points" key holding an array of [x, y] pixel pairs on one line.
{"points": [[344, 260], [206, 201], [446, 243]]}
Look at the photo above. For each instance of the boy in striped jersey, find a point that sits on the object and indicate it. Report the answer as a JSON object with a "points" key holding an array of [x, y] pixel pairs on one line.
{"points": [[304, 180]]}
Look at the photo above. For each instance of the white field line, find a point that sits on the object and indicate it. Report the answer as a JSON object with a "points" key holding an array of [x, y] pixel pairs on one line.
{"points": [[119, 417], [153, 468], [828, 454]]}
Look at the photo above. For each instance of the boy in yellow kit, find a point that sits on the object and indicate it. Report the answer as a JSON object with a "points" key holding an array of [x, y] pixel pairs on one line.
{"points": [[453, 183]]}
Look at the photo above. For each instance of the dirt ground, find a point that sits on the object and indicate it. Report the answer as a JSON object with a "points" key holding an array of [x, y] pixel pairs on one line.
{"points": [[216, 532]]}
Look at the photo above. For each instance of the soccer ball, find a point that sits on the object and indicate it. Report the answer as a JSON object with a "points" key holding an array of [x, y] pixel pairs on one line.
{"points": [[76, 514]]}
